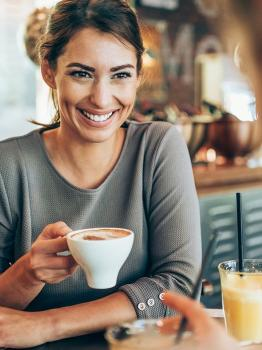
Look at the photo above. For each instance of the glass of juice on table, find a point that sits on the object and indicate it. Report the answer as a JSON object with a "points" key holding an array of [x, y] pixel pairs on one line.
{"points": [[242, 299]]}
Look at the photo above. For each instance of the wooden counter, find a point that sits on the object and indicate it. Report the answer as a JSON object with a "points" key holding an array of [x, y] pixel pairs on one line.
{"points": [[220, 179]]}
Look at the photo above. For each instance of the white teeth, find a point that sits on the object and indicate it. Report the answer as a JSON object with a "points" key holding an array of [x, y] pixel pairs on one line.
{"points": [[95, 117]]}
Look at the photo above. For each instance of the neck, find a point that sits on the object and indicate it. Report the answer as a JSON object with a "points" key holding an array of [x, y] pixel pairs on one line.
{"points": [[84, 164]]}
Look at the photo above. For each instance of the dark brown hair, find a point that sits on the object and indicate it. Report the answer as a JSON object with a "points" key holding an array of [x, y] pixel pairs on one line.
{"points": [[70, 16]]}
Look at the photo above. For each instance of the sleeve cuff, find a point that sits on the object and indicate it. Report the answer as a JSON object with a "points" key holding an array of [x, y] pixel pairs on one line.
{"points": [[146, 297]]}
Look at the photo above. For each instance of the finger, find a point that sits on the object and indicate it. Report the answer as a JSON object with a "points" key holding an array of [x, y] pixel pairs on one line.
{"points": [[169, 325], [55, 230], [50, 246], [189, 308], [204, 327], [73, 269], [53, 276], [55, 263]]}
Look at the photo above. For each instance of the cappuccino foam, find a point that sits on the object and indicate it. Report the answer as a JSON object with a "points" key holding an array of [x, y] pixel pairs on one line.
{"points": [[100, 235]]}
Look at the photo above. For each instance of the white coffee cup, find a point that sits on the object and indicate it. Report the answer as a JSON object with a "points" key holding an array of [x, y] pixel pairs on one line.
{"points": [[101, 252]]}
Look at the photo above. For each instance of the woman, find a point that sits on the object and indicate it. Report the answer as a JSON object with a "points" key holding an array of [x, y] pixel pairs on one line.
{"points": [[92, 168]]}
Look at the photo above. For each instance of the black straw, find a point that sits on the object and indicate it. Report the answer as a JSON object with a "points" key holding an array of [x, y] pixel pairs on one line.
{"points": [[239, 232], [197, 286]]}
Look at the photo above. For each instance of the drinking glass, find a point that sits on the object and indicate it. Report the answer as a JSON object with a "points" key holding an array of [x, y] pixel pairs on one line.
{"points": [[242, 299]]}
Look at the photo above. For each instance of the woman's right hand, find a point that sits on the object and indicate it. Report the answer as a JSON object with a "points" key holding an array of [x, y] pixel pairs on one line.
{"points": [[45, 264]]}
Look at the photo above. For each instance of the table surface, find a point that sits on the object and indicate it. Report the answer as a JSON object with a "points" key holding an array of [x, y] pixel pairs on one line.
{"points": [[97, 341]]}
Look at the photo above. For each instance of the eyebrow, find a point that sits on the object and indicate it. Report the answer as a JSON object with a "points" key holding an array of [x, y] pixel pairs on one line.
{"points": [[114, 69], [80, 65], [92, 69]]}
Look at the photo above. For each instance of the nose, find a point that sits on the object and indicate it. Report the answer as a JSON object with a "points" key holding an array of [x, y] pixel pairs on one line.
{"points": [[101, 94]]}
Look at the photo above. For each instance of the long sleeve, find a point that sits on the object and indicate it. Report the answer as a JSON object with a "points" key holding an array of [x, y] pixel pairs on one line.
{"points": [[174, 241], [6, 234], [150, 191]]}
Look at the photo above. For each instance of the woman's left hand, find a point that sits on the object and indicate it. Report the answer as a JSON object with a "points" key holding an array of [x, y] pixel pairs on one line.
{"points": [[21, 329]]}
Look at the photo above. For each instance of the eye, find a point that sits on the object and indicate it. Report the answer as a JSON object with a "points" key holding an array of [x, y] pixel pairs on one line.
{"points": [[122, 75], [80, 74]]}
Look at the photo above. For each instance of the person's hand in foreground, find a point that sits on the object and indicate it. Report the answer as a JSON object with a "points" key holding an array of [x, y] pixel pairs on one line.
{"points": [[208, 333]]}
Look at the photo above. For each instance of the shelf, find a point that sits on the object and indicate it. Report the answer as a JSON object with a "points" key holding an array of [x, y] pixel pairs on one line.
{"points": [[215, 179]]}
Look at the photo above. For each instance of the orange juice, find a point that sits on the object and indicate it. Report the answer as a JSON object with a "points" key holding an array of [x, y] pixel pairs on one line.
{"points": [[242, 303]]}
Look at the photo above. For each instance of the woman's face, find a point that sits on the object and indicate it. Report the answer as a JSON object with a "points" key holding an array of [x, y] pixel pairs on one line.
{"points": [[95, 82]]}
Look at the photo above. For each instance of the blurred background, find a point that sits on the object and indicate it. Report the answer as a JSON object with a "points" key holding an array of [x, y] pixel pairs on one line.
{"points": [[19, 75], [192, 79]]}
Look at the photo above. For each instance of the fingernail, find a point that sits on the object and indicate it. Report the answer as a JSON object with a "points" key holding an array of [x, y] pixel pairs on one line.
{"points": [[160, 323], [163, 296]]}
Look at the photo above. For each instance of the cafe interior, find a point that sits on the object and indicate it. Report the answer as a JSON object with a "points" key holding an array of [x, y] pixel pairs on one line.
{"points": [[193, 79]]}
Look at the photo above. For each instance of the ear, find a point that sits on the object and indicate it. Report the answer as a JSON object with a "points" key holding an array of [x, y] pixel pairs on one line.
{"points": [[48, 74]]}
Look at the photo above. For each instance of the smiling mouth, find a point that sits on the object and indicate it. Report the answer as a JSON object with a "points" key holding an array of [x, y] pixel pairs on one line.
{"points": [[95, 117]]}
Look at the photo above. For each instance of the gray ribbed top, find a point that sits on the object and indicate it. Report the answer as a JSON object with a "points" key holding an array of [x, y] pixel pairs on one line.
{"points": [[150, 191]]}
